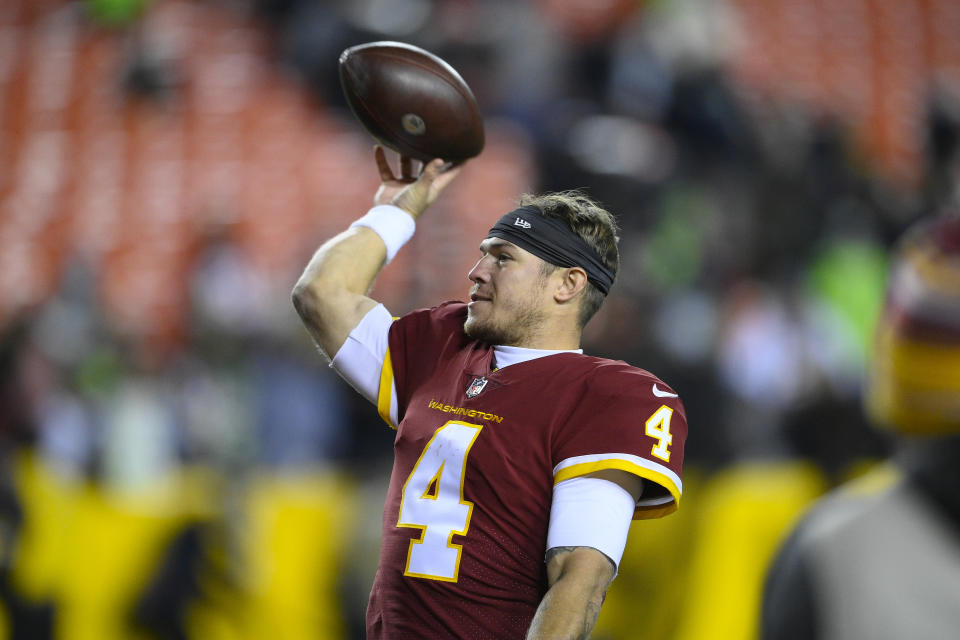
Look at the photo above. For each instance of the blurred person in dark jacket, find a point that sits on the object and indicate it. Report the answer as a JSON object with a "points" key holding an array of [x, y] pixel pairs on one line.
{"points": [[880, 557]]}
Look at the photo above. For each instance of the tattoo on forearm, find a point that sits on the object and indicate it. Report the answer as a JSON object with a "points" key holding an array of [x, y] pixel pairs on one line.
{"points": [[590, 617], [579, 600], [555, 551]]}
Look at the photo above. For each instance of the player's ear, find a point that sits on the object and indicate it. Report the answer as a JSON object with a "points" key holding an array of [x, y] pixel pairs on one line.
{"points": [[573, 281]]}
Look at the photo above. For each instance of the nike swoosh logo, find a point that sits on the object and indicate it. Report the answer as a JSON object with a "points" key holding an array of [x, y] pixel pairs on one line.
{"points": [[662, 394]]}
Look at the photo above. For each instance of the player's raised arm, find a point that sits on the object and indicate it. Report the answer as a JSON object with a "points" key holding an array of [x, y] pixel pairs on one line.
{"points": [[331, 295]]}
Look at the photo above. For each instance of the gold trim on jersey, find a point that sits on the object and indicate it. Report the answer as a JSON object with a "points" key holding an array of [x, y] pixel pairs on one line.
{"points": [[642, 512], [386, 387]]}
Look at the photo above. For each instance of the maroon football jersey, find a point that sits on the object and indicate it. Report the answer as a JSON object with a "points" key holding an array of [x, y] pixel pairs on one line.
{"points": [[477, 453]]}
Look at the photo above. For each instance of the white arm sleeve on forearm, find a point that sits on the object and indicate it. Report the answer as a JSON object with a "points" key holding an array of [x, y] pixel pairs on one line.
{"points": [[360, 359], [591, 512]]}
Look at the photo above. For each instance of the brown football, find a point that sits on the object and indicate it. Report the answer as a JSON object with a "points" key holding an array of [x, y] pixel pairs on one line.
{"points": [[411, 101]]}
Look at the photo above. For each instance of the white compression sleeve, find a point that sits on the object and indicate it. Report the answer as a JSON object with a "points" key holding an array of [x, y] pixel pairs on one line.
{"points": [[394, 226], [591, 512], [360, 359]]}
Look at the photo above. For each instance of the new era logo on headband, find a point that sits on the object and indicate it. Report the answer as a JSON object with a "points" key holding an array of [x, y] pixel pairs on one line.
{"points": [[522, 223]]}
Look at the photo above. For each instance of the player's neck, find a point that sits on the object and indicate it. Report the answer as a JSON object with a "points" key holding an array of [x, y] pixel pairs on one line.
{"points": [[551, 337]]}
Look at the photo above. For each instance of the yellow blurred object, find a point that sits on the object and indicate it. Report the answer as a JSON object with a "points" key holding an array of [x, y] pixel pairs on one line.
{"points": [[644, 600], [297, 529], [49, 504], [744, 515], [114, 549], [880, 477], [914, 386], [91, 551]]}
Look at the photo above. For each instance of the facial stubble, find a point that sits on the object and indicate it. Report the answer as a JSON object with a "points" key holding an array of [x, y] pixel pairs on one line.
{"points": [[517, 322]]}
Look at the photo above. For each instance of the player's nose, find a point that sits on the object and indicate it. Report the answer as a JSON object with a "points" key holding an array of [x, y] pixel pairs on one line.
{"points": [[479, 273]]}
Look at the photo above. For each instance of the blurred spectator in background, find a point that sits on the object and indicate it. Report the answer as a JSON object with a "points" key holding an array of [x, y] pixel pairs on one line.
{"points": [[880, 557]]}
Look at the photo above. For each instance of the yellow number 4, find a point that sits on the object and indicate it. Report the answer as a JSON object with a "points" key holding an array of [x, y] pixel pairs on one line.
{"points": [[658, 426]]}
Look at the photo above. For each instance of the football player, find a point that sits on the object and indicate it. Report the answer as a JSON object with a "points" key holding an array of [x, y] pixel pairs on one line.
{"points": [[519, 462]]}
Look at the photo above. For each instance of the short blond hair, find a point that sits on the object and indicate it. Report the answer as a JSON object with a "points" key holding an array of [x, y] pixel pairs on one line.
{"points": [[594, 224]]}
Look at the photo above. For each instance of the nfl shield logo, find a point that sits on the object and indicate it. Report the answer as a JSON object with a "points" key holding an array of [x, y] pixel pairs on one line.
{"points": [[476, 387]]}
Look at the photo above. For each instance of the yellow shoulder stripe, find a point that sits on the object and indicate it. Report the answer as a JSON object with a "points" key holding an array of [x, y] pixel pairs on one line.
{"points": [[386, 385]]}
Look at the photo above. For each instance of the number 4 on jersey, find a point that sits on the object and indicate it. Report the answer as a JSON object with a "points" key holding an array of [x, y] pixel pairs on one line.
{"points": [[658, 426], [432, 500]]}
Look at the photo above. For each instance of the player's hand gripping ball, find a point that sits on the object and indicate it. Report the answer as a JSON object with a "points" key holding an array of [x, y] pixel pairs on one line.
{"points": [[411, 101]]}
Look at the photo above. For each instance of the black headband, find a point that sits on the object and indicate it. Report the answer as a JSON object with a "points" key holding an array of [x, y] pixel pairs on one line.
{"points": [[553, 241]]}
